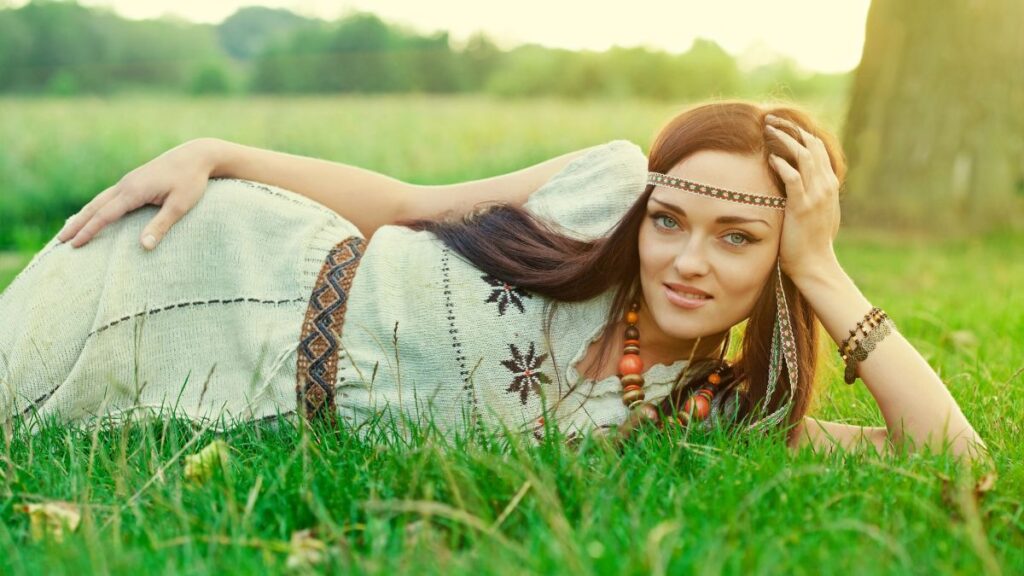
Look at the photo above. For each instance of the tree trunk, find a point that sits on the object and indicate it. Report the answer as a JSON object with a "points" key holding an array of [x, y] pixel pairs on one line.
{"points": [[935, 130]]}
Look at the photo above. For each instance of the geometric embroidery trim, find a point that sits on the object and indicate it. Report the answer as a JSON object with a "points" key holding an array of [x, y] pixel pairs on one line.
{"points": [[321, 331], [782, 341], [720, 193]]}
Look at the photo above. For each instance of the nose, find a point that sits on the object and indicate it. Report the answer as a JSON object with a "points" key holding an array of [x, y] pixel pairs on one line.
{"points": [[692, 259]]}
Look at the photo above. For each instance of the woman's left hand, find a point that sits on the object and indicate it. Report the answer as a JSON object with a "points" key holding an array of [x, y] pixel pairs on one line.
{"points": [[811, 219]]}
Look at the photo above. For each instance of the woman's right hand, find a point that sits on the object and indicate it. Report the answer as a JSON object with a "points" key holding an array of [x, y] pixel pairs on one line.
{"points": [[176, 180]]}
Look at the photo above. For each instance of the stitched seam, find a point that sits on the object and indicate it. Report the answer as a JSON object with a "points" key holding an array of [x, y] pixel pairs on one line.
{"points": [[193, 303], [460, 358]]}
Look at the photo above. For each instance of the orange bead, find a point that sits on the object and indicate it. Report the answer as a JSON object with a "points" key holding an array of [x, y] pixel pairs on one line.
{"points": [[714, 378], [632, 317], [699, 405], [631, 364], [631, 342], [649, 412]]}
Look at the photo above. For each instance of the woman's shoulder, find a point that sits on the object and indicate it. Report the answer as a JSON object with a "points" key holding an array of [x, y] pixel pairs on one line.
{"points": [[589, 196], [614, 154]]}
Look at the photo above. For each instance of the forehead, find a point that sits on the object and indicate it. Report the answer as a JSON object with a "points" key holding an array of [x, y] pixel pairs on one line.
{"points": [[737, 172]]}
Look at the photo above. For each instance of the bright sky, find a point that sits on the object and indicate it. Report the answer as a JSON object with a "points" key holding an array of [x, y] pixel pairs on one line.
{"points": [[823, 35]]}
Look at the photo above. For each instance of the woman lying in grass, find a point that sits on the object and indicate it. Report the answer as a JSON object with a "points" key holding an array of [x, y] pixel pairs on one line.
{"points": [[494, 303]]}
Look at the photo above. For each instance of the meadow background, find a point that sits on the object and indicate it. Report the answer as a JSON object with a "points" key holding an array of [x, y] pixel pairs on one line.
{"points": [[289, 499]]}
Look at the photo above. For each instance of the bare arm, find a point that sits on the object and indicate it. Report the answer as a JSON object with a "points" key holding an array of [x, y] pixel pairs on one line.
{"points": [[177, 180], [369, 199], [914, 401], [826, 436], [918, 409], [365, 198], [512, 188]]}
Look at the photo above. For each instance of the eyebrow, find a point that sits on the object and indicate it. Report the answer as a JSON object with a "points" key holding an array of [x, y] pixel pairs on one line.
{"points": [[719, 220]]}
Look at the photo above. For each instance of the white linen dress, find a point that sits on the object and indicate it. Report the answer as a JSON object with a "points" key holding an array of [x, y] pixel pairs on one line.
{"points": [[259, 293]]}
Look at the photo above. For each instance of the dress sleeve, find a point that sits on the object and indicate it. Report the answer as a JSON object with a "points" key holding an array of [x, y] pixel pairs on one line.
{"points": [[592, 193]]}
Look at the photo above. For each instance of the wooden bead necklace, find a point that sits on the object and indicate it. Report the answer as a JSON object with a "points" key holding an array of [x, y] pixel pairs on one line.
{"points": [[631, 369]]}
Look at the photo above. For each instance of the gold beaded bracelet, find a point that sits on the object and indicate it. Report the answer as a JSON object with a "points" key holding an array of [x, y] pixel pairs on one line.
{"points": [[871, 317], [871, 330]]}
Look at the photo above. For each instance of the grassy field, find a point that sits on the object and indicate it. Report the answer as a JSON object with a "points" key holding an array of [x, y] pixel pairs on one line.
{"points": [[58, 154], [668, 504]]}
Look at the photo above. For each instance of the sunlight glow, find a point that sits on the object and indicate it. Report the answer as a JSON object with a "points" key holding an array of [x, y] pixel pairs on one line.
{"points": [[821, 35]]}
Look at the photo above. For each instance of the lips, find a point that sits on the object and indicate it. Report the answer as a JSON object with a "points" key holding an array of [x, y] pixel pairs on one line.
{"points": [[689, 292], [681, 300]]}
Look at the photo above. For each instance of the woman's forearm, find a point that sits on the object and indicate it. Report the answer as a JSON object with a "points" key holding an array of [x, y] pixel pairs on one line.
{"points": [[370, 199], [365, 198], [913, 400]]}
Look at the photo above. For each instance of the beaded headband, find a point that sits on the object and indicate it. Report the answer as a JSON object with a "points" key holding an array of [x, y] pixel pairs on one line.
{"points": [[720, 193]]}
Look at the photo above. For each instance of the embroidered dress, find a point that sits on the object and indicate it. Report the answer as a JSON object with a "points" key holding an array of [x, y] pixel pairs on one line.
{"points": [[429, 336], [207, 324], [242, 304]]}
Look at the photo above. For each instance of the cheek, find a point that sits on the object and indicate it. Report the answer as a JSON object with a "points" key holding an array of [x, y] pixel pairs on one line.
{"points": [[654, 255], [655, 265], [746, 280]]}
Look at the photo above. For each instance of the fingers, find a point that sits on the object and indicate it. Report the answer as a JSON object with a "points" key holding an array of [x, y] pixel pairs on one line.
{"points": [[823, 162], [77, 221], [810, 143], [817, 147], [805, 160], [157, 228], [109, 212], [790, 176]]}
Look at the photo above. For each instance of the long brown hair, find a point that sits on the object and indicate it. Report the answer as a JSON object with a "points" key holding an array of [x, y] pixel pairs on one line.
{"points": [[508, 242]]}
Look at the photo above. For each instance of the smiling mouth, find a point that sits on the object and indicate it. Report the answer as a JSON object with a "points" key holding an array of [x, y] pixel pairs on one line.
{"points": [[689, 295], [684, 300]]}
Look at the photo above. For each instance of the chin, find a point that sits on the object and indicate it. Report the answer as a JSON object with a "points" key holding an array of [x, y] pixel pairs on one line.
{"points": [[682, 324]]}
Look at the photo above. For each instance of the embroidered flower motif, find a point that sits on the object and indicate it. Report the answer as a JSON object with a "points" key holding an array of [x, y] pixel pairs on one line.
{"points": [[504, 293], [527, 376]]}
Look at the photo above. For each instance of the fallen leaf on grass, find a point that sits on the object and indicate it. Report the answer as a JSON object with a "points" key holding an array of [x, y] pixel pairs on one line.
{"points": [[200, 466], [51, 519], [985, 484], [955, 489], [306, 550]]}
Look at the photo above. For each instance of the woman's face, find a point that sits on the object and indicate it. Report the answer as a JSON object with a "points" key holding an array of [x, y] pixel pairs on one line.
{"points": [[725, 249]]}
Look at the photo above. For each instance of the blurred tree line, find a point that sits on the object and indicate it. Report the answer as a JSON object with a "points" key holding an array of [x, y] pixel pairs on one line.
{"points": [[64, 48]]}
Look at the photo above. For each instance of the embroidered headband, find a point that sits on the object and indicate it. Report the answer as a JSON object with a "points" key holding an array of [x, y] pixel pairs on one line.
{"points": [[657, 179]]}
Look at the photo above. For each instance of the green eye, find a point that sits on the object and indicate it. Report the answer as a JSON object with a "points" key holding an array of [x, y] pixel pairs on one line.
{"points": [[659, 217], [735, 239], [743, 238]]}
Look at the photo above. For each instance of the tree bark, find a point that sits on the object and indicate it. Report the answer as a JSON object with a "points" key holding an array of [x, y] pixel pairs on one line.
{"points": [[935, 130]]}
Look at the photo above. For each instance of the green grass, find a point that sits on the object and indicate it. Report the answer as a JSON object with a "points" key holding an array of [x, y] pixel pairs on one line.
{"points": [[706, 505], [666, 504]]}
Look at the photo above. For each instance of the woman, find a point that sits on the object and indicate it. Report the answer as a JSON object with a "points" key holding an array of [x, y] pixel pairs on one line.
{"points": [[491, 303]]}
